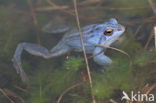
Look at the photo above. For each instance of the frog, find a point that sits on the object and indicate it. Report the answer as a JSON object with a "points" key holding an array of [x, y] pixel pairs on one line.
{"points": [[101, 33]]}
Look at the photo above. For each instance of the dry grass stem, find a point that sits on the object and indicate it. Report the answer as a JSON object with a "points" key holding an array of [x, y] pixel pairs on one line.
{"points": [[111, 48], [138, 29], [111, 8], [85, 3], [21, 89], [3, 92], [155, 36], [144, 89], [84, 51], [153, 61], [50, 8], [148, 90], [148, 41], [34, 19], [123, 52], [12, 94], [67, 90], [98, 7], [152, 6], [97, 53], [151, 88], [62, 8], [59, 7], [146, 20], [70, 12]]}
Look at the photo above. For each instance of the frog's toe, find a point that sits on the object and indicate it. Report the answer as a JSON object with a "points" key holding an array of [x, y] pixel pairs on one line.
{"points": [[16, 65], [19, 70]]}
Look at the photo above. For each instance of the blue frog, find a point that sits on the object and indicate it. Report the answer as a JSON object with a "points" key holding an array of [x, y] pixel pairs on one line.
{"points": [[104, 34]]}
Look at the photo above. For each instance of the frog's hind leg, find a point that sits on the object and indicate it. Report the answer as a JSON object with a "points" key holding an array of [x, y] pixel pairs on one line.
{"points": [[37, 50]]}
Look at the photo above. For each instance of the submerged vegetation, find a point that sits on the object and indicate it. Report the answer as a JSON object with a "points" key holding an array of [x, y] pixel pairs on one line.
{"points": [[49, 79], [125, 74]]}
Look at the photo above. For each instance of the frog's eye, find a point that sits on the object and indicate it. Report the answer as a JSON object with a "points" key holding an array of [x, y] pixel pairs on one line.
{"points": [[108, 32]]}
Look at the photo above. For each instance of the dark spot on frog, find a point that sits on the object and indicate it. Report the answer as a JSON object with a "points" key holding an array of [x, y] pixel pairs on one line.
{"points": [[94, 26], [91, 36], [97, 28], [91, 31]]}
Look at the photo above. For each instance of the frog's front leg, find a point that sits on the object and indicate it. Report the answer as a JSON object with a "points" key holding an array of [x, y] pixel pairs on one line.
{"points": [[101, 59], [37, 50]]}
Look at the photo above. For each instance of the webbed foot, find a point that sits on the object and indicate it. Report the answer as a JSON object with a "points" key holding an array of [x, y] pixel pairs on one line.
{"points": [[19, 70]]}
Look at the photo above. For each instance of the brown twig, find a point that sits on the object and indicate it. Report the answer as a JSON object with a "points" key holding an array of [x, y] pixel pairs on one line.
{"points": [[138, 29], [146, 20], [12, 94], [62, 8], [67, 90], [49, 8], [152, 6], [84, 51], [153, 61], [111, 48], [59, 7], [96, 7], [111, 8], [65, 11], [151, 88], [148, 41], [155, 36], [96, 54], [3, 92], [144, 89], [21, 89], [148, 90], [34, 19], [150, 37]]}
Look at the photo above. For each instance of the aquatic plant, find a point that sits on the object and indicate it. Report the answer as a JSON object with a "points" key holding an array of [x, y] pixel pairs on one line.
{"points": [[47, 85], [73, 63], [122, 75]]}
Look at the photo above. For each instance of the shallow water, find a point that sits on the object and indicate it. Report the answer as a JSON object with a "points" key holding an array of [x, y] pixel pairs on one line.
{"points": [[49, 78]]}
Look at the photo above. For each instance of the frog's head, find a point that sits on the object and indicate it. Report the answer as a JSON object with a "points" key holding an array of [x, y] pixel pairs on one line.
{"points": [[112, 31]]}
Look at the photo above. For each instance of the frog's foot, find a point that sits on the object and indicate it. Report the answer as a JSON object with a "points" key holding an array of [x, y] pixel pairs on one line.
{"points": [[37, 50], [19, 70], [101, 59]]}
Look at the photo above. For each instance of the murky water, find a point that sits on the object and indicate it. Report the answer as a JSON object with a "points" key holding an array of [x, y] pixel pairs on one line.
{"points": [[133, 70]]}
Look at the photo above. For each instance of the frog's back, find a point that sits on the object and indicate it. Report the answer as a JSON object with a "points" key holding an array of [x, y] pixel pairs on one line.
{"points": [[75, 34]]}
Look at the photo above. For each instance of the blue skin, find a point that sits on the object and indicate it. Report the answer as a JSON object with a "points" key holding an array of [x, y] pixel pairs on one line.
{"points": [[103, 34]]}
